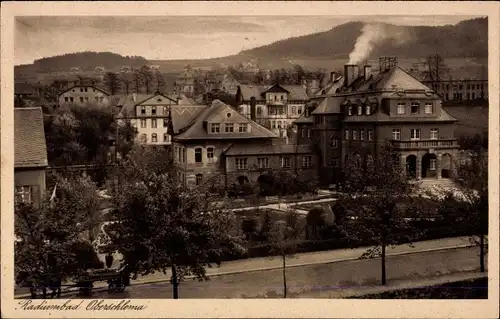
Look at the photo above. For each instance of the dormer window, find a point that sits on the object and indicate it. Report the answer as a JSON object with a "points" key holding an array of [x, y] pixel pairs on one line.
{"points": [[415, 107], [368, 109], [349, 110], [243, 127], [360, 110], [143, 110], [215, 127], [428, 107], [153, 110], [229, 127]]}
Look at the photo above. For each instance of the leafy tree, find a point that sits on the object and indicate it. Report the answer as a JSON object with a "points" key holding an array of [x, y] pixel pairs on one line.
{"points": [[472, 179], [266, 227], [137, 81], [160, 81], [374, 192], [147, 77], [50, 247], [113, 82], [163, 226]]}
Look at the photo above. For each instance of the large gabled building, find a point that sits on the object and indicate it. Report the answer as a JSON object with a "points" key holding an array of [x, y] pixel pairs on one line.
{"points": [[222, 146], [369, 110]]}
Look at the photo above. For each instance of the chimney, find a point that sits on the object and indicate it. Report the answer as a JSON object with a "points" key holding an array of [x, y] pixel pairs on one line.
{"points": [[350, 74], [367, 71], [333, 76], [253, 110], [134, 97]]}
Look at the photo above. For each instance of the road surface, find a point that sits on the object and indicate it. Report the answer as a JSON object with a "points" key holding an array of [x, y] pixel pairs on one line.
{"points": [[331, 277]]}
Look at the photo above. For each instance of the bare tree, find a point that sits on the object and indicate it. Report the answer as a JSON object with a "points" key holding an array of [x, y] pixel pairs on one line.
{"points": [[436, 68], [112, 82]]}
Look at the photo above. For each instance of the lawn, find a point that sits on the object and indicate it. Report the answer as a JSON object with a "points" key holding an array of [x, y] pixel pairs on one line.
{"points": [[467, 289]]}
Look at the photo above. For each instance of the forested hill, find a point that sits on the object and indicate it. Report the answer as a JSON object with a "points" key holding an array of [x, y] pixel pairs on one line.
{"points": [[468, 38], [86, 61]]}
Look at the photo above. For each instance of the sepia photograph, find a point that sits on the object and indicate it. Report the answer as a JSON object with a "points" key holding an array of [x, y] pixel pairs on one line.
{"points": [[249, 157]]}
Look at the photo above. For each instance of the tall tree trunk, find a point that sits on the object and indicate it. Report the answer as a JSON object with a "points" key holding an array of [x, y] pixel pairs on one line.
{"points": [[284, 275], [481, 251], [384, 279], [175, 283]]}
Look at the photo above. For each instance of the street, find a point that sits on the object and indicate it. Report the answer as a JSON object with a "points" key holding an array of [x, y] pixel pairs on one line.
{"points": [[305, 279]]}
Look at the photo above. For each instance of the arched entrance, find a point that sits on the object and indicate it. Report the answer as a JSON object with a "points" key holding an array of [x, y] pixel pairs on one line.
{"points": [[411, 166], [429, 163], [446, 165]]}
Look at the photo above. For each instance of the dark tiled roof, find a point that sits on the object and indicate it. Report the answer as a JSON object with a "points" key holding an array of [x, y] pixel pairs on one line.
{"points": [[269, 149], [297, 92], [249, 91], [217, 111], [330, 105], [183, 115], [30, 148], [24, 88], [304, 120]]}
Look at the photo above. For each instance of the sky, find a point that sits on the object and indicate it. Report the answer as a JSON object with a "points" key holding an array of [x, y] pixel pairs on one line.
{"points": [[176, 37]]}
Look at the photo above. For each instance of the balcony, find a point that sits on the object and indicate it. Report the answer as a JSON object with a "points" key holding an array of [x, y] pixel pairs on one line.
{"points": [[425, 144]]}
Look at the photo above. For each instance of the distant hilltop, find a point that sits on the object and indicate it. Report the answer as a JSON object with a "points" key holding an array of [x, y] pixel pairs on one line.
{"points": [[353, 41]]}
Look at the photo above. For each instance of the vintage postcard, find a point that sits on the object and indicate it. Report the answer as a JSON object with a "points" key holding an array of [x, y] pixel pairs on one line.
{"points": [[250, 159]]}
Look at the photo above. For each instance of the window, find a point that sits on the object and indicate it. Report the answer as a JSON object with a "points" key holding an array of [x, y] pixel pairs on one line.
{"points": [[143, 123], [354, 134], [81, 89], [165, 122], [309, 133], [434, 133], [346, 134], [285, 161], [263, 162], [302, 132], [349, 110], [243, 128], [396, 134], [86, 99], [66, 99], [210, 154], [401, 108], [144, 138], [369, 161], [307, 161], [198, 155], [96, 99], [153, 110], [279, 124], [299, 110], [143, 110], [229, 127], [273, 124], [241, 163], [368, 110], [199, 179], [179, 155], [81, 99], [415, 107], [23, 194], [166, 137], [165, 110], [414, 134], [334, 142], [71, 99], [361, 134], [428, 108], [215, 127], [154, 138], [259, 110], [370, 134], [432, 164], [294, 110], [153, 123], [85, 89], [360, 110]]}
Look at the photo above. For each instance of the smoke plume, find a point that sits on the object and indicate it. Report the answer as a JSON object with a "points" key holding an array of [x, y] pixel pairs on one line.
{"points": [[374, 34]]}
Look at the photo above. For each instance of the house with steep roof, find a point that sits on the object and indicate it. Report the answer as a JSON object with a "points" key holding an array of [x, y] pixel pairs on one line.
{"points": [[185, 81], [84, 95], [220, 146], [150, 115], [277, 106], [30, 155], [372, 109]]}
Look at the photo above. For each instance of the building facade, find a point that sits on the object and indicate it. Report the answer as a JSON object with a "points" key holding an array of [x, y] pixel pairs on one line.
{"points": [[370, 110], [221, 146], [276, 106], [185, 82], [84, 95], [30, 155], [460, 90]]}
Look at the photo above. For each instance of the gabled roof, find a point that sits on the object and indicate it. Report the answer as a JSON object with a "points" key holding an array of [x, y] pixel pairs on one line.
{"points": [[304, 120], [249, 91], [183, 115], [329, 105], [297, 92], [129, 102], [83, 85], [30, 148], [217, 112]]}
